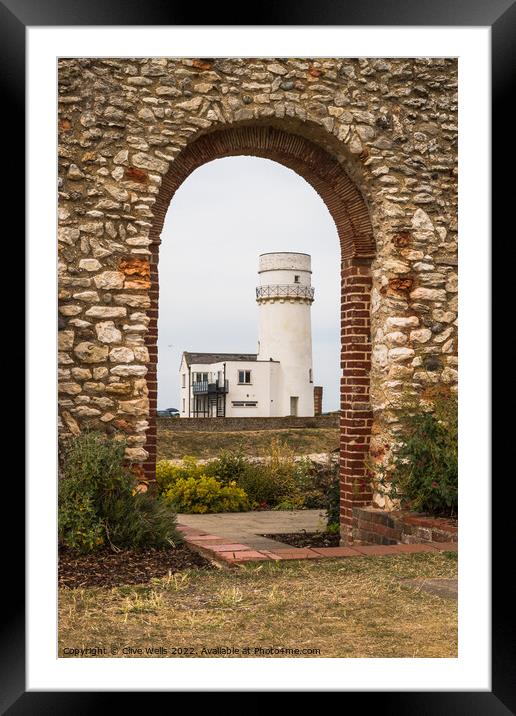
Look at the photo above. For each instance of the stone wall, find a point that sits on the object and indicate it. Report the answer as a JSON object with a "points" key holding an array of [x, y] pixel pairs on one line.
{"points": [[218, 425], [376, 138]]}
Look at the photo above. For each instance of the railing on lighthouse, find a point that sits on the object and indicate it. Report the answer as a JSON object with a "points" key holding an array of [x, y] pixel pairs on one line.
{"points": [[287, 290]]}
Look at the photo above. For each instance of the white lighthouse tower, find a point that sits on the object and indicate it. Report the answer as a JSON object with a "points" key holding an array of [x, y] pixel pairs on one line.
{"points": [[284, 297]]}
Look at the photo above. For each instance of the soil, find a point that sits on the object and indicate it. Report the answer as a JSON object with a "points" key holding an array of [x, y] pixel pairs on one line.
{"points": [[105, 568], [307, 539]]}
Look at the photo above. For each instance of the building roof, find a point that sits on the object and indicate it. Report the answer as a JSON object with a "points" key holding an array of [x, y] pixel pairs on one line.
{"points": [[207, 358]]}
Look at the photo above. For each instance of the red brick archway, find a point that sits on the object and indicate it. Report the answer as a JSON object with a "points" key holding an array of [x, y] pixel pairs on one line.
{"points": [[348, 209]]}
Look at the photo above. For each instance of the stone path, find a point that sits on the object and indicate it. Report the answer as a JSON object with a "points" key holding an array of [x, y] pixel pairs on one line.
{"points": [[235, 537], [247, 527]]}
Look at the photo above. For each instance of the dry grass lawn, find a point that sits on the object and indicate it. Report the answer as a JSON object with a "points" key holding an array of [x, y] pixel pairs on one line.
{"points": [[255, 443], [354, 607]]}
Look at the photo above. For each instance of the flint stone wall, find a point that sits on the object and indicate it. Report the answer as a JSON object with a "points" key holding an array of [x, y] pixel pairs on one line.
{"points": [[391, 124]]}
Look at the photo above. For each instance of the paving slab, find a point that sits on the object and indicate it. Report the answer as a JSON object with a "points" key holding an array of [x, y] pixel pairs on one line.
{"points": [[248, 527]]}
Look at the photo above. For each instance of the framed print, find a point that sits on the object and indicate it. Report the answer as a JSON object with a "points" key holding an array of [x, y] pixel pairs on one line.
{"points": [[317, 192]]}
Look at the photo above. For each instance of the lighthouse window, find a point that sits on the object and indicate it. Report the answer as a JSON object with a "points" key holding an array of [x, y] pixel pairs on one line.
{"points": [[296, 279], [310, 376], [244, 377]]}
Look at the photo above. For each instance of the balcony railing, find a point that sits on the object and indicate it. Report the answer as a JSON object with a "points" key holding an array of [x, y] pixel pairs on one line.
{"points": [[204, 387], [288, 290]]}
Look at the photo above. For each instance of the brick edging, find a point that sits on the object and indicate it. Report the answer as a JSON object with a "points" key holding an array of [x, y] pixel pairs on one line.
{"points": [[227, 551]]}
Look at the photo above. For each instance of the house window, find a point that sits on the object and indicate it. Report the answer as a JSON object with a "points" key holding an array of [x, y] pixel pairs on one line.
{"points": [[184, 405], [184, 380], [310, 376], [244, 377], [244, 403], [296, 279]]}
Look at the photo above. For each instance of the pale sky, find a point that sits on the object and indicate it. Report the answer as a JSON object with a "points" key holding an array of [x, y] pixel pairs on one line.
{"points": [[224, 215]]}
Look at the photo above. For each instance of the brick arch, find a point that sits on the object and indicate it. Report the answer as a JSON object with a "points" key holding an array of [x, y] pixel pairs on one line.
{"points": [[317, 166], [349, 212]]}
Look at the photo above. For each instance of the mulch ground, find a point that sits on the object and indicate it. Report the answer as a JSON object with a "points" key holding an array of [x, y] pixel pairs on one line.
{"points": [[307, 539], [105, 568]]}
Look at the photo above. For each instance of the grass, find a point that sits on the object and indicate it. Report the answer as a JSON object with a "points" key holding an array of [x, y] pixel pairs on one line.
{"points": [[174, 444], [355, 607]]}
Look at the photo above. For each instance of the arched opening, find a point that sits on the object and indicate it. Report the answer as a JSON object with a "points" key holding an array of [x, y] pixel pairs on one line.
{"points": [[225, 215], [347, 208]]}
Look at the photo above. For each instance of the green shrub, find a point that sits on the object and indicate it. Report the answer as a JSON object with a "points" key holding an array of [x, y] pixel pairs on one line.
{"points": [[279, 481], [332, 495], [423, 471], [206, 494], [99, 503], [265, 483], [261, 488], [333, 528], [80, 527], [229, 466], [291, 503], [281, 470], [141, 521], [312, 481]]}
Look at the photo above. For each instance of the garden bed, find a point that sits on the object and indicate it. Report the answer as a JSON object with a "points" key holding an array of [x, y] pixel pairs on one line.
{"points": [[306, 539], [106, 568]]}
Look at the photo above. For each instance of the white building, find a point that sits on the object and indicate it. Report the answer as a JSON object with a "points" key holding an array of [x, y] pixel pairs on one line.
{"points": [[278, 379]]}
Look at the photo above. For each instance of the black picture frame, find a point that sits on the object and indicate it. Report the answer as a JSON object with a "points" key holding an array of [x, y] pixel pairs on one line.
{"points": [[500, 16]]}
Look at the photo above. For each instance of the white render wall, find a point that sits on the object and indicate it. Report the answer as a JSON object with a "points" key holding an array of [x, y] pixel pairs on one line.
{"points": [[285, 332], [259, 389], [183, 390], [262, 389]]}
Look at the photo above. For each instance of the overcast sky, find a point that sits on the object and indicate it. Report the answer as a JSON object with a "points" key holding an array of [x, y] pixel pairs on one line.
{"points": [[222, 217]]}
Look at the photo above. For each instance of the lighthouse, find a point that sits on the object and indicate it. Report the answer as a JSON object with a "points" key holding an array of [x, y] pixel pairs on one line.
{"points": [[285, 296], [277, 381]]}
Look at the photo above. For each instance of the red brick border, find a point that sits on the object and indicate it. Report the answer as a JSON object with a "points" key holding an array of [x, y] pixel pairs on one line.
{"points": [[348, 209], [222, 549]]}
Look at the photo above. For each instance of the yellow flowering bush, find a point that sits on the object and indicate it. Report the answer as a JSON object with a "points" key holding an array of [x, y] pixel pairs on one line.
{"points": [[205, 494], [167, 474]]}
